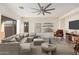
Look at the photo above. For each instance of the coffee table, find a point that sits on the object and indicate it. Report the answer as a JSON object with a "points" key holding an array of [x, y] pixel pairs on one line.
{"points": [[48, 48]]}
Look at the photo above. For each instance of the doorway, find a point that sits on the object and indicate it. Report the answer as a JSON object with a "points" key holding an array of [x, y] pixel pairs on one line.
{"points": [[26, 26], [9, 26]]}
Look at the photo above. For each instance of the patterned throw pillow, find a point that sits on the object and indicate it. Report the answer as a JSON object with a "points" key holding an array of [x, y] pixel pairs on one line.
{"points": [[17, 37]]}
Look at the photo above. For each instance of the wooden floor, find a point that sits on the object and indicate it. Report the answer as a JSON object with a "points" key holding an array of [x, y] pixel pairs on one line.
{"points": [[63, 48]]}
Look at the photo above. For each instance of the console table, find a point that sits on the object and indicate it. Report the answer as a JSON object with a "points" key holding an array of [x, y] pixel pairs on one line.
{"points": [[72, 37]]}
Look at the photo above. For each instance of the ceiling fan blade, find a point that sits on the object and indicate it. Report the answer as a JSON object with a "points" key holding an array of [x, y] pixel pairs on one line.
{"points": [[43, 13], [35, 12], [48, 12], [50, 9], [35, 9], [39, 6], [47, 6], [39, 13]]}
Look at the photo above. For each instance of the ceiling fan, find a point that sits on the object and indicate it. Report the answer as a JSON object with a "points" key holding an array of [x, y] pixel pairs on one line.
{"points": [[43, 9]]}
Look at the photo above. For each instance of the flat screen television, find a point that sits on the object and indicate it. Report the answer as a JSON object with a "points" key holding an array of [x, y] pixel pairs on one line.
{"points": [[74, 24]]}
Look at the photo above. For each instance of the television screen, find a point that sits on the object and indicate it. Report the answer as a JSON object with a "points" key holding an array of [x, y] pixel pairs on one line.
{"points": [[74, 24]]}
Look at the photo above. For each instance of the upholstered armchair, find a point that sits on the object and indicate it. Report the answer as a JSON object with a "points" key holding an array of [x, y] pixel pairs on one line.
{"points": [[58, 33], [76, 48]]}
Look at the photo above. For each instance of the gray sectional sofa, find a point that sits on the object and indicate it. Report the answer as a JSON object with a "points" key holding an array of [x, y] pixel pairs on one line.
{"points": [[22, 44], [17, 44], [9, 48]]}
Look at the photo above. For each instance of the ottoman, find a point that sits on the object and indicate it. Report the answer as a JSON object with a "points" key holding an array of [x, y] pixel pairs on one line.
{"points": [[38, 41]]}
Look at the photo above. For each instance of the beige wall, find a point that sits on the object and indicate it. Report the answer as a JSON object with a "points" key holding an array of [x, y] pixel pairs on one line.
{"points": [[64, 22], [59, 23], [33, 20], [9, 13]]}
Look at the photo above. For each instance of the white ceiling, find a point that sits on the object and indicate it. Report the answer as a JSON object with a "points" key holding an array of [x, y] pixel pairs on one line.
{"points": [[60, 9]]}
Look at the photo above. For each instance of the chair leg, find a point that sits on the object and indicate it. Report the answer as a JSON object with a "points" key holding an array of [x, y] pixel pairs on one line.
{"points": [[54, 37], [75, 52]]}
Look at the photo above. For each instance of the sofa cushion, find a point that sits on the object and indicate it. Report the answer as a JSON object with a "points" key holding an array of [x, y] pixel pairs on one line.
{"points": [[25, 46], [13, 40], [24, 40], [9, 48], [30, 39], [32, 34], [17, 37], [9, 39], [21, 35], [26, 34]]}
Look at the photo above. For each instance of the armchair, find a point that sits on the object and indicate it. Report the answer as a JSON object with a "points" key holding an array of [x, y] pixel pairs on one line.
{"points": [[58, 33]]}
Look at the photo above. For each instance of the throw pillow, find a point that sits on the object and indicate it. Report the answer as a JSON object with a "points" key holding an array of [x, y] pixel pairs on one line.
{"points": [[9, 40], [17, 37], [26, 34], [13, 40], [21, 35], [32, 34], [24, 40]]}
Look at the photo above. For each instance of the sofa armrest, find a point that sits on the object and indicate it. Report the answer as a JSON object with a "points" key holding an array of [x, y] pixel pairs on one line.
{"points": [[9, 48], [25, 48]]}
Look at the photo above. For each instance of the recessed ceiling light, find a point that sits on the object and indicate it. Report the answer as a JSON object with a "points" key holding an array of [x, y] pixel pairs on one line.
{"points": [[21, 7]]}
